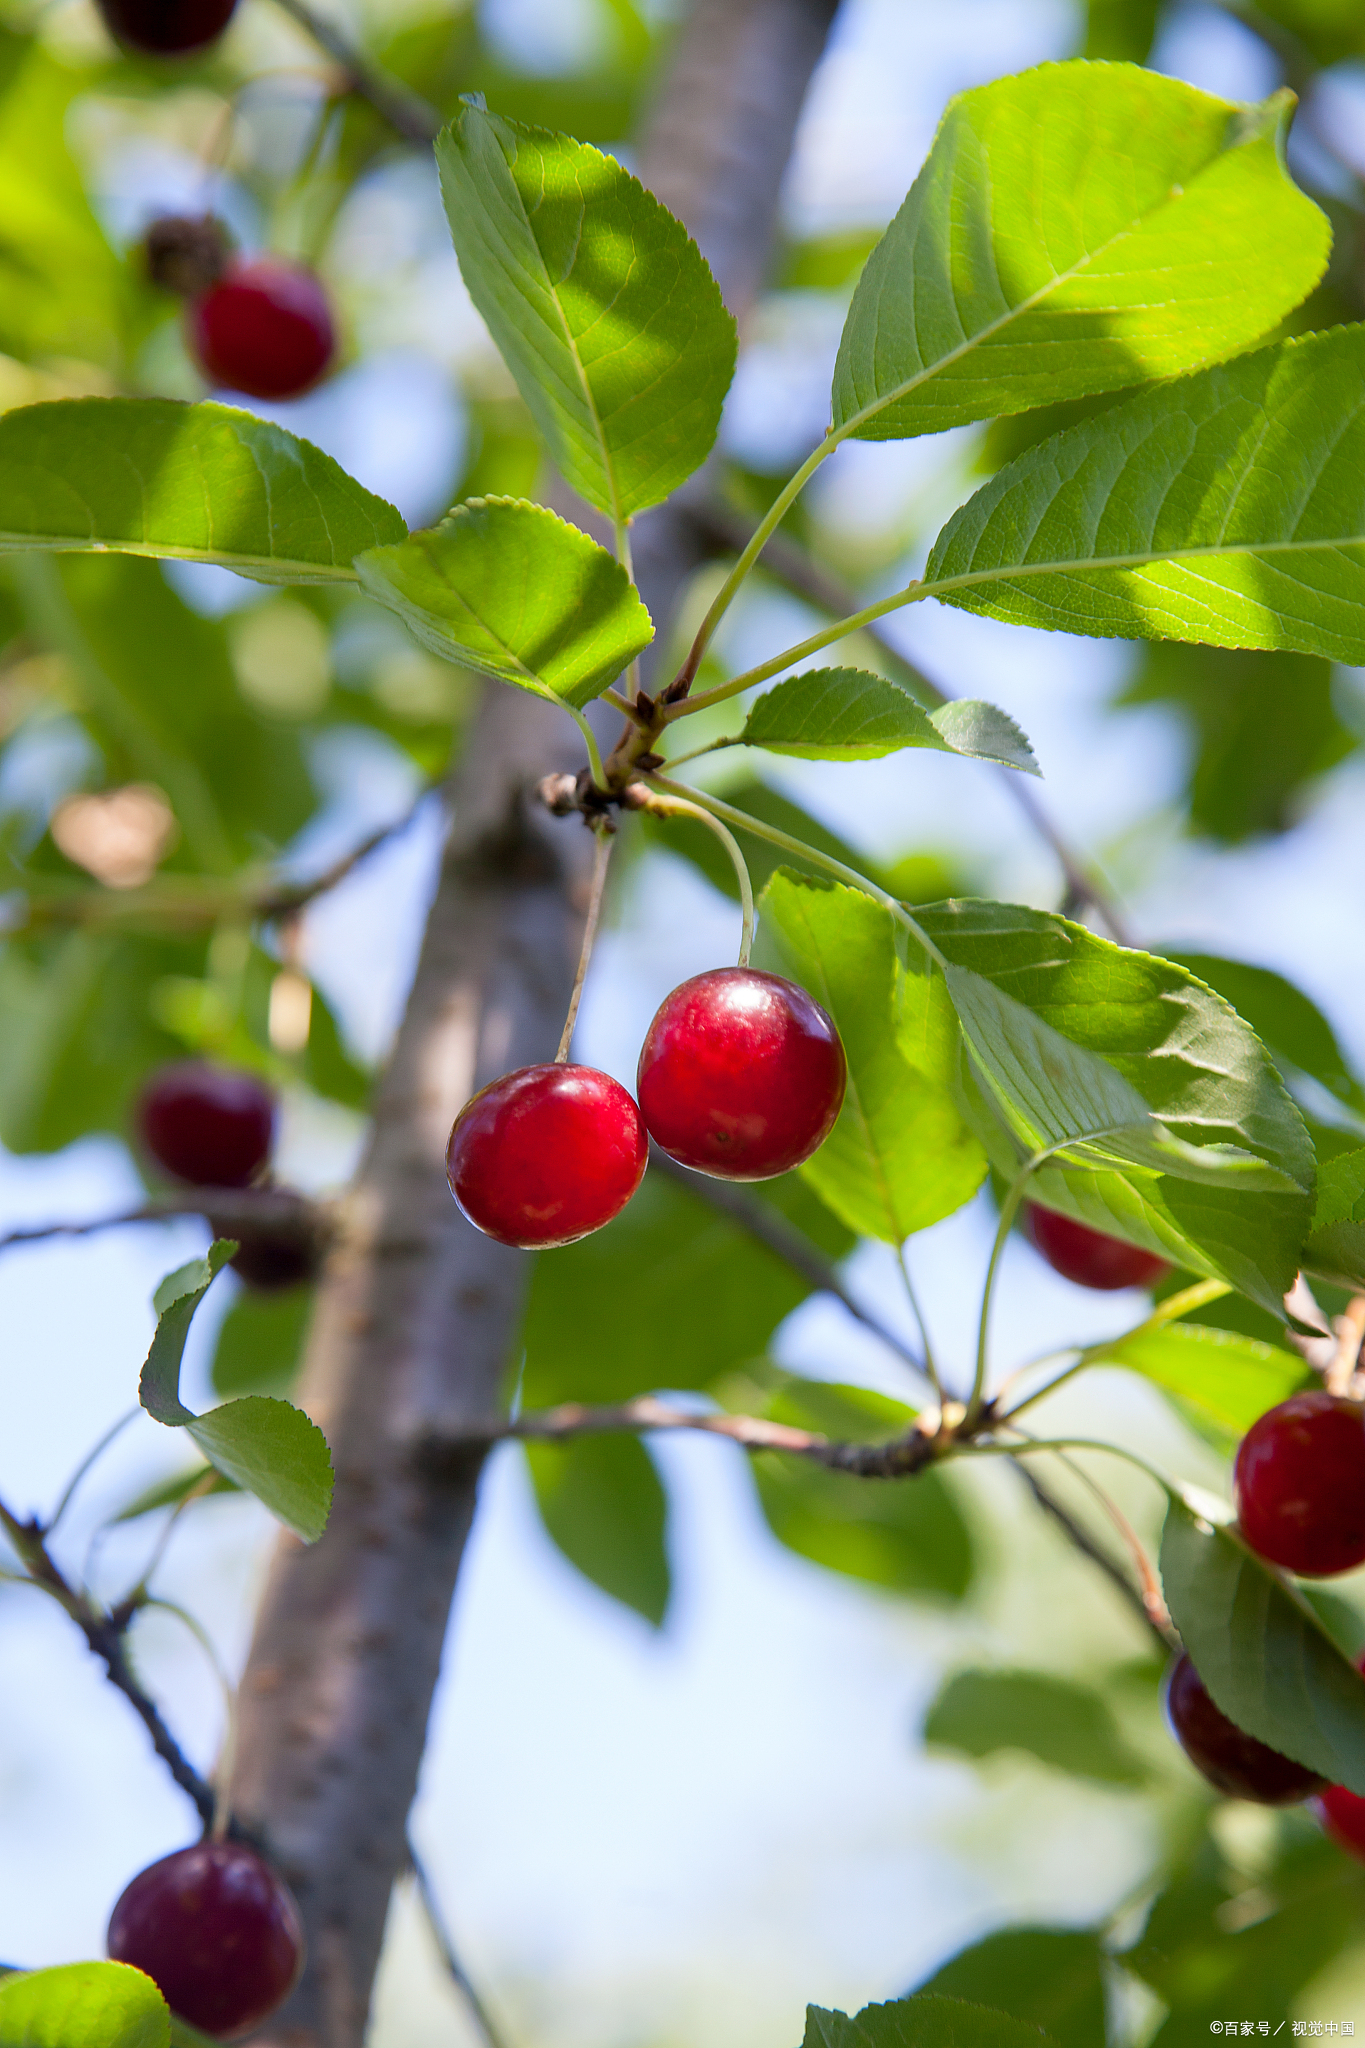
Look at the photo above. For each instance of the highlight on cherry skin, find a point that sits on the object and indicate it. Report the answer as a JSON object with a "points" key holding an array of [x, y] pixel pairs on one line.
{"points": [[546, 1155], [217, 1931], [265, 328], [212, 1127], [1089, 1257], [1232, 1761], [166, 28], [1299, 1484], [741, 1074]]}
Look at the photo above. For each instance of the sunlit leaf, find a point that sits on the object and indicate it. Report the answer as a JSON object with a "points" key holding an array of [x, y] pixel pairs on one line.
{"points": [[1220, 1379], [848, 714], [76, 2004]]}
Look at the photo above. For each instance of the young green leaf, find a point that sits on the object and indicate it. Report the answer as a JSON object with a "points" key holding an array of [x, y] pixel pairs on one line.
{"points": [[604, 310], [848, 714], [603, 1505], [1195, 1064], [111, 2004], [900, 1156], [924, 2021], [268, 1447], [1231, 511], [203, 483], [1336, 1245], [1077, 228], [1053, 1977], [513, 590], [1219, 1378], [1265, 1657], [1065, 1725]]}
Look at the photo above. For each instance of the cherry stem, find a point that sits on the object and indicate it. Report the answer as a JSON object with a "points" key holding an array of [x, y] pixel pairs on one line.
{"points": [[826, 637], [1095, 1354], [1153, 1600], [930, 1365], [405, 111], [601, 855], [1009, 1209], [222, 1777], [683, 807]]}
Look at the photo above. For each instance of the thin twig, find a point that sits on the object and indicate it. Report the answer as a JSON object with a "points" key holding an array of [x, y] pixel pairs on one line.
{"points": [[781, 1236], [455, 1969], [228, 1209], [1082, 1540], [720, 526], [405, 111]]}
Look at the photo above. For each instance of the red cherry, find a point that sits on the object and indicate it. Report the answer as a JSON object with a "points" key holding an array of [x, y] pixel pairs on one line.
{"points": [[741, 1074], [265, 328], [1233, 1761], [166, 28], [1342, 1814], [546, 1155], [217, 1932], [210, 1126], [1299, 1483], [1089, 1257]]}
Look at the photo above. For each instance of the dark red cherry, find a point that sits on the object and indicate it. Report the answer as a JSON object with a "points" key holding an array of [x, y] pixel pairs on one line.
{"points": [[265, 328], [1342, 1814], [1299, 1483], [1089, 1257], [217, 1931], [166, 28], [741, 1074], [210, 1126], [1229, 1758], [546, 1155]]}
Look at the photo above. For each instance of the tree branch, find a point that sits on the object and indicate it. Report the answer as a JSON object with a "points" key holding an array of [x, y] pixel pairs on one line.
{"points": [[454, 1968], [1085, 1543], [227, 1209], [406, 112]]}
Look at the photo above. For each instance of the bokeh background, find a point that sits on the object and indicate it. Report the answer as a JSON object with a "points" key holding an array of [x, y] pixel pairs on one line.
{"points": [[647, 1837]]}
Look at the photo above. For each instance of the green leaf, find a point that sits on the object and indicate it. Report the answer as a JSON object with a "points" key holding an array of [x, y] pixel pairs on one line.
{"points": [[1193, 1061], [908, 1537], [204, 483], [268, 1447], [848, 714], [1231, 512], [513, 590], [602, 307], [1288, 1024], [920, 2022], [1063, 1724], [1265, 1657], [1077, 228], [694, 1294], [1336, 1245], [273, 1450], [1121, 30], [1221, 1380], [260, 1341], [78, 2005], [1050, 1976], [900, 1156], [603, 1504]]}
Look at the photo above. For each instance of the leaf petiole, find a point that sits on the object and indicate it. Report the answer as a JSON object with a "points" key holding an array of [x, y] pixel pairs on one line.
{"points": [[601, 855], [824, 638], [681, 806]]}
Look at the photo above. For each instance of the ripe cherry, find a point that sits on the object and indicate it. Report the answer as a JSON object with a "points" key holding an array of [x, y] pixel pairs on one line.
{"points": [[546, 1155], [210, 1126], [166, 28], [1342, 1814], [265, 328], [217, 1931], [741, 1074], [1089, 1257], [1231, 1760], [1299, 1482]]}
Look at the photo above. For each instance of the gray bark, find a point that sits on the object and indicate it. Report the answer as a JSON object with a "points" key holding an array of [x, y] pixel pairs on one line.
{"points": [[417, 1313]]}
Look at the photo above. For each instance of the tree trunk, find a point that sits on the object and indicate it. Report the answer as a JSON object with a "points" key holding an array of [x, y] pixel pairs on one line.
{"points": [[417, 1313]]}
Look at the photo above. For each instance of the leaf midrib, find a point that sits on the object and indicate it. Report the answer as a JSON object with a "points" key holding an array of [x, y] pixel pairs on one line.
{"points": [[1135, 561], [67, 543]]}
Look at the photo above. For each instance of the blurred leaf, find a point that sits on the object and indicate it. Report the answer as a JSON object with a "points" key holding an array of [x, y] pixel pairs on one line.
{"points": [[1328, 29], [78, 2005], [1336, 1246], [1220, 1380], [273, 1450], [1066, 1725], [1156, 230], [920, 2022], [1120, 31], [827, 262], [1261, 1650], [1292, 1028], [1263, 725], [693, 1294], [847, 714], [514, 591], [1193, 1061], [701, 846], [1051, 1976], [260, 1341], [900, 1156], [601, 305], [204, 483], [603, 1504], [1236, 519], [168, 1493]]}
